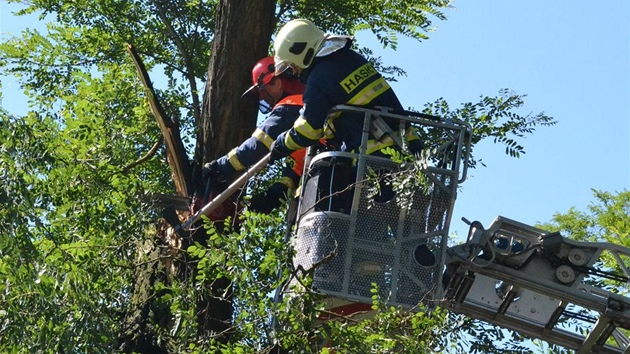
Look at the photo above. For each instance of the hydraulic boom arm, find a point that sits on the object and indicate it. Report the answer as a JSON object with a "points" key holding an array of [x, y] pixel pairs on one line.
{"points": [[542, 285]]}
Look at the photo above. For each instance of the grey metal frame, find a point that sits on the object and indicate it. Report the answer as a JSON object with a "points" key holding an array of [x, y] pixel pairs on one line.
{"points": [[533, 290], [385, 260], [512, 275]]}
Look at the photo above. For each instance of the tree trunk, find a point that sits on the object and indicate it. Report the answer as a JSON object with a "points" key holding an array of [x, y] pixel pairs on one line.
{"points": [[242, 33], [138, 332]]}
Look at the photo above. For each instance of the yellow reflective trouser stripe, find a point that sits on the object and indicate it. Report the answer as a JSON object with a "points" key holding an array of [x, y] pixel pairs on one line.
{"points": [[297, 191], [233, 159], [370, 92], [287, 181], [263, 138], [329, 127], [305, 129], [329, 133], [290, 143], [411, 134], [375, 145]]}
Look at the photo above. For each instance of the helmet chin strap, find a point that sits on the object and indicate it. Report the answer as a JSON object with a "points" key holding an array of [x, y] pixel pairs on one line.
{"points": [[266, 98]]}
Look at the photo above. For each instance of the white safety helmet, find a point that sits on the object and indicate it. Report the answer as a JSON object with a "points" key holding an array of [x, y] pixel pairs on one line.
{"points": [[296, 44]]}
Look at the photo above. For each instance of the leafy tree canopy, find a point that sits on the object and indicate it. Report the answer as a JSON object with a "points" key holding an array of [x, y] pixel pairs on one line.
{"points": [[81, 167]]}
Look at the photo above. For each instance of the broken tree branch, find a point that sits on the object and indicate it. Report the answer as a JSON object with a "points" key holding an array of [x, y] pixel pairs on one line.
{"points": [[175, 150]]}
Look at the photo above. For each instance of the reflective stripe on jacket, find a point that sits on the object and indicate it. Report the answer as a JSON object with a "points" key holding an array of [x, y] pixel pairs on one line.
{"points": [[281, 118], [341, 77]]}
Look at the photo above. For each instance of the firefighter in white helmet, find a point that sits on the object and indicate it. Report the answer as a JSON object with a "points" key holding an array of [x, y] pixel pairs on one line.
{"points": [[333, 74]]}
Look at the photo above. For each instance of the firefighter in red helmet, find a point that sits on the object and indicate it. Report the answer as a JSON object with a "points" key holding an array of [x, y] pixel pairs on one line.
{"points": [[281, 97]]}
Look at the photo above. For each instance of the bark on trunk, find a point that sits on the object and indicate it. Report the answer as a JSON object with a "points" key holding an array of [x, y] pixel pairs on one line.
{"points": [[138, 332], [242, 34]]}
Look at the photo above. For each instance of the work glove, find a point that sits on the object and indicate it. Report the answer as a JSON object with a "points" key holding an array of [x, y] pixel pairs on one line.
{"points": [[276, 152], [210, 170], [270, 199], [215, 181], [415, 147]]}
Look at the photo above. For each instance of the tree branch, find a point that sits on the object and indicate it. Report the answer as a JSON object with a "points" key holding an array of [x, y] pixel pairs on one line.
{"points": [[146, 157], [188, 62], [175, 150]]}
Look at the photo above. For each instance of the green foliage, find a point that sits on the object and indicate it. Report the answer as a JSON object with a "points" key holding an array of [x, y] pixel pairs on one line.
{"points": [[173, 37], [496, 118], [256, 260], [67, 245], [607, 219], [406, 182], [78, 213], [391, 330]]}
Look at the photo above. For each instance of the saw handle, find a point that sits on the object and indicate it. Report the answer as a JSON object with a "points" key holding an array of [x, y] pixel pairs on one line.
{"points": [[223, 196]]}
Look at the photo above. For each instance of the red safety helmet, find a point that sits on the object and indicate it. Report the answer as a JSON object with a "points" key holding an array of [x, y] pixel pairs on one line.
{"points": [[262, 74]]}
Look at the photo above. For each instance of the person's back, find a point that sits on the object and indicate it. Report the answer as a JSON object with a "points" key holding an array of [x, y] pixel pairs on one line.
{"points": [[344, 77], [333, 74]]}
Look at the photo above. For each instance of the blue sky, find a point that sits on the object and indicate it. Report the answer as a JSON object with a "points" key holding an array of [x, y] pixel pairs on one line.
{"points": [[572, 60]]}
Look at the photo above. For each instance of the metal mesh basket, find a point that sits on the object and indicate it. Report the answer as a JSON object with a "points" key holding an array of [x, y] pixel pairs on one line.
{"points": [[379, 242]]}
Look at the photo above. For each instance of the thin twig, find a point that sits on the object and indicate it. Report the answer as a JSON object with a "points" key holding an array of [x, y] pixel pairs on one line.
{"points": [[146, 157]]}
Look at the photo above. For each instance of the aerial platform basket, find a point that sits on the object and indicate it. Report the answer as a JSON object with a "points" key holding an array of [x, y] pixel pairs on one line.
{"points": [[354, 229]]}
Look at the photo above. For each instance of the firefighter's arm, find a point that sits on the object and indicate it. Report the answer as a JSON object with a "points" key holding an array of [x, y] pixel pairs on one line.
{"points": [[280, 190], [259, 144], [308, 128]]}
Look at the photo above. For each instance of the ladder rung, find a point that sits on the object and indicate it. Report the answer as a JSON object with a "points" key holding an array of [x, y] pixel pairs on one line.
{"points": [[593, 337], [555, 316]]}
